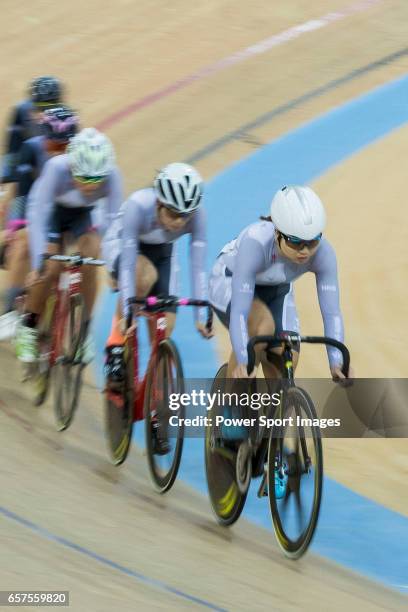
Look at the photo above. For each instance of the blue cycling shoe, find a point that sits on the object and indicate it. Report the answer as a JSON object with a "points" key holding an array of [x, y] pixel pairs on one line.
{"points": [[281, 481]]}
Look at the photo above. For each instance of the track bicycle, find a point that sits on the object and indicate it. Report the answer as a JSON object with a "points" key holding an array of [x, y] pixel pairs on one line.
{"points": [[287, 456], [146, 397], [61, 336]]}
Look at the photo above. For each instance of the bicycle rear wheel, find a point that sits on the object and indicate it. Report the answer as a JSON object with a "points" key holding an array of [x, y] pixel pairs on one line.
{"points": [[67, 372], [119, 411], [165, 377], [226, 499], [296, 451]]}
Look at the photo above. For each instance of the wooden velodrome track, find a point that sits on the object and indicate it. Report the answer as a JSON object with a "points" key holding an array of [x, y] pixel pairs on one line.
{"points": [[101, 532]]}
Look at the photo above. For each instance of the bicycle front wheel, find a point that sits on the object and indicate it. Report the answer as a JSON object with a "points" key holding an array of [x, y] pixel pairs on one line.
{"points": [[295, 473], [68, 369], [164, 378]]}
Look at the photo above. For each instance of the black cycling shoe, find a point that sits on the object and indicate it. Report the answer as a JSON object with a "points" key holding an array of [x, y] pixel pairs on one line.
{"points": [[114, 368], [161, 444]]}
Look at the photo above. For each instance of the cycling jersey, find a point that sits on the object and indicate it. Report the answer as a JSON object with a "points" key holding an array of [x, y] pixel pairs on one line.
{"points": [[20, 128], [136, 224], [31, 159], [254, 260], [56, 186]]}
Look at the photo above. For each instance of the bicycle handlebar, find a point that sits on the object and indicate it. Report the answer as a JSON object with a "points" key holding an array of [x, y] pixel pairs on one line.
{"points": [[154, 304], [291, 338], [76, 260]]}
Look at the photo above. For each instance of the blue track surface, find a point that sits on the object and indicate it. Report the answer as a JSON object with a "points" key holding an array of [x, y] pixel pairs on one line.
{"points": [[352, 529]]}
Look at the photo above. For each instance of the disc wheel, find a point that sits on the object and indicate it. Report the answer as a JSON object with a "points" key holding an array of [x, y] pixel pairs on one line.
{"points": [[226, 499], [119, 411]]}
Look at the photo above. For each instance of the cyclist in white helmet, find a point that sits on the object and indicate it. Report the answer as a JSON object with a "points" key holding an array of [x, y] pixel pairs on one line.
{"points": [[250, 284], [139, 249], [60, 203]]}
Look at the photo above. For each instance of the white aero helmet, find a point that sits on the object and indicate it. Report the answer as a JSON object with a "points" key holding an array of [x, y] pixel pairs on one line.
{"points": [[298, 211], [180, 187], [90, 154]]}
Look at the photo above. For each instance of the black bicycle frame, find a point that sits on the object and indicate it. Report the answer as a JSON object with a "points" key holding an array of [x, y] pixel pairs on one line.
{"points": [[291, 340]]}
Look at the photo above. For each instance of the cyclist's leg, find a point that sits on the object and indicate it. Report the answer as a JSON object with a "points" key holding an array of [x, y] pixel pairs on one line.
{"points": [[279, 301], [161, 256], [145, 278], [260, 322], [27, 335], [18, 266], [38, 292], [16, 255], [89, 246]]}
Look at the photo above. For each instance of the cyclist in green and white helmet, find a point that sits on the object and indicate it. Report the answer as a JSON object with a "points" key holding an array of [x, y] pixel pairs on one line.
{"points": [[61, 202], [91, 156]]}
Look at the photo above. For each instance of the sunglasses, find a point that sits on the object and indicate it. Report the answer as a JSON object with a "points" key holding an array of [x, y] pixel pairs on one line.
{"points": [[90, 180], [173, 214], [298, 244]]}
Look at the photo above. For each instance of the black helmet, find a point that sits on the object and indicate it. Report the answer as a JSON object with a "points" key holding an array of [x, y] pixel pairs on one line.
{"points": [[59, 123], [45, 91]]}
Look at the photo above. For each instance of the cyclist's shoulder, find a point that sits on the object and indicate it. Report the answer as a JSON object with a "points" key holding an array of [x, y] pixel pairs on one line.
{"points": [[142, 199], [21, 112], [33, 143], [115, 174], [325, 255], [58, 164], [261, 231], [56, 170], [326, 248]]}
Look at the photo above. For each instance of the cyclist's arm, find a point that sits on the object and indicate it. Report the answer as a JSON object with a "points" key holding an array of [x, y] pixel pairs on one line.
{"points": [[325, 268], [25, 169], [114, 199], [40, 202], [249, 260], [198, 252], [14, 140], [132, 223]]}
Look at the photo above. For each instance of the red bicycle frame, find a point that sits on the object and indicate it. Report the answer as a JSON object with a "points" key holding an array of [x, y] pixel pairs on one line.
{"points": [[69, 284], [160, 334], [140, 385]]}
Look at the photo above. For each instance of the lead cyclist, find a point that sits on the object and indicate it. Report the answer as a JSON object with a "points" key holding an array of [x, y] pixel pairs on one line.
{"points": [[251, 283], [251, 287]]}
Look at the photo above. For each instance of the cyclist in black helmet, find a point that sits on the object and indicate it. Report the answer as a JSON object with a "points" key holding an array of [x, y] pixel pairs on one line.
{"points": [[44, 92]]}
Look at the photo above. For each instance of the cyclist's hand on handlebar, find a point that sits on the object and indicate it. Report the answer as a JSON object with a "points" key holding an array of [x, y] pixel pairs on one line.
{"points": [[339, 377], [241, 372], [203, 331]]}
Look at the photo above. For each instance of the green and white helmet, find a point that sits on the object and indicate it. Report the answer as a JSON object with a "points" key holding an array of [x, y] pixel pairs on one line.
{"points": [[91, 154]]}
